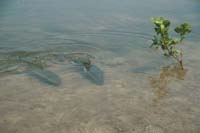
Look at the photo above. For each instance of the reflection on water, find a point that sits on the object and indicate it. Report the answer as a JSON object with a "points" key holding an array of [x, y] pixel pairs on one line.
{"points": [[166, 75]]}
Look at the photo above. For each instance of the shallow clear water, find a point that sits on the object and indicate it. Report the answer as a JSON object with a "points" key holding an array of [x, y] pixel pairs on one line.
{"points": [[141, 92]]}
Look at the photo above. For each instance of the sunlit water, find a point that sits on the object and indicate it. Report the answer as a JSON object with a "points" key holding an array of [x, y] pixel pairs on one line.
{"points": [[141, 93]]}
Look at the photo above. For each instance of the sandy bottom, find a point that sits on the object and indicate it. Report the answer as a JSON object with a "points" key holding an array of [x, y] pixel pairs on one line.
{"points": [[165, 101]]}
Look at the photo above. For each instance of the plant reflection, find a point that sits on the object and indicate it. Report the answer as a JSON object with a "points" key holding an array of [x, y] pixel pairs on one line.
{"points": [[161, 81]]}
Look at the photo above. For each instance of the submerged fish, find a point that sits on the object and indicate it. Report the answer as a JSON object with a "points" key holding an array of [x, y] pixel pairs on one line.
{"points": [[34, 64], [44, 76], [95, 74], [8, 68]]}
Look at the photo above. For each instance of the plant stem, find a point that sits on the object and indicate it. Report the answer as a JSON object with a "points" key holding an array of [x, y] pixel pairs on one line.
{"points": [[177, 58]]}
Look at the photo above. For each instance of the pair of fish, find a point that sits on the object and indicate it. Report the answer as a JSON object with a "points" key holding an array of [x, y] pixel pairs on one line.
{"points": [[36, 68]]}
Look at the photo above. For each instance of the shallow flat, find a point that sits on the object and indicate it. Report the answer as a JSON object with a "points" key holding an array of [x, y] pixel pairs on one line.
{"points": [[138, 94]]}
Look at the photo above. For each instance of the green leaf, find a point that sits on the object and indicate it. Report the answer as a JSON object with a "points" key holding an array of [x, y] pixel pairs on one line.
{"points": [[166, 23], [183, 29], [174, 41], [176, 51]]}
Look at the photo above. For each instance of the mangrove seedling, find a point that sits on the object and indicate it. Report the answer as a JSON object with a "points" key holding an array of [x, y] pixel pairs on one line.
{"points": [[164, 41]]}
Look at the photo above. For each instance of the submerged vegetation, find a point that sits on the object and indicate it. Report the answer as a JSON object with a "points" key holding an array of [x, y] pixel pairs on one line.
{"points": [[163, 40]]}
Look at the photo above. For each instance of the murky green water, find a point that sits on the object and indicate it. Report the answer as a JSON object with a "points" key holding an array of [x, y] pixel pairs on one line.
{"points": [[42, 91]]}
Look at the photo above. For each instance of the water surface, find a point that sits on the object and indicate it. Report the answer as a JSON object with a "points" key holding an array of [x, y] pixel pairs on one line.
{"points": [[141, 93]]}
